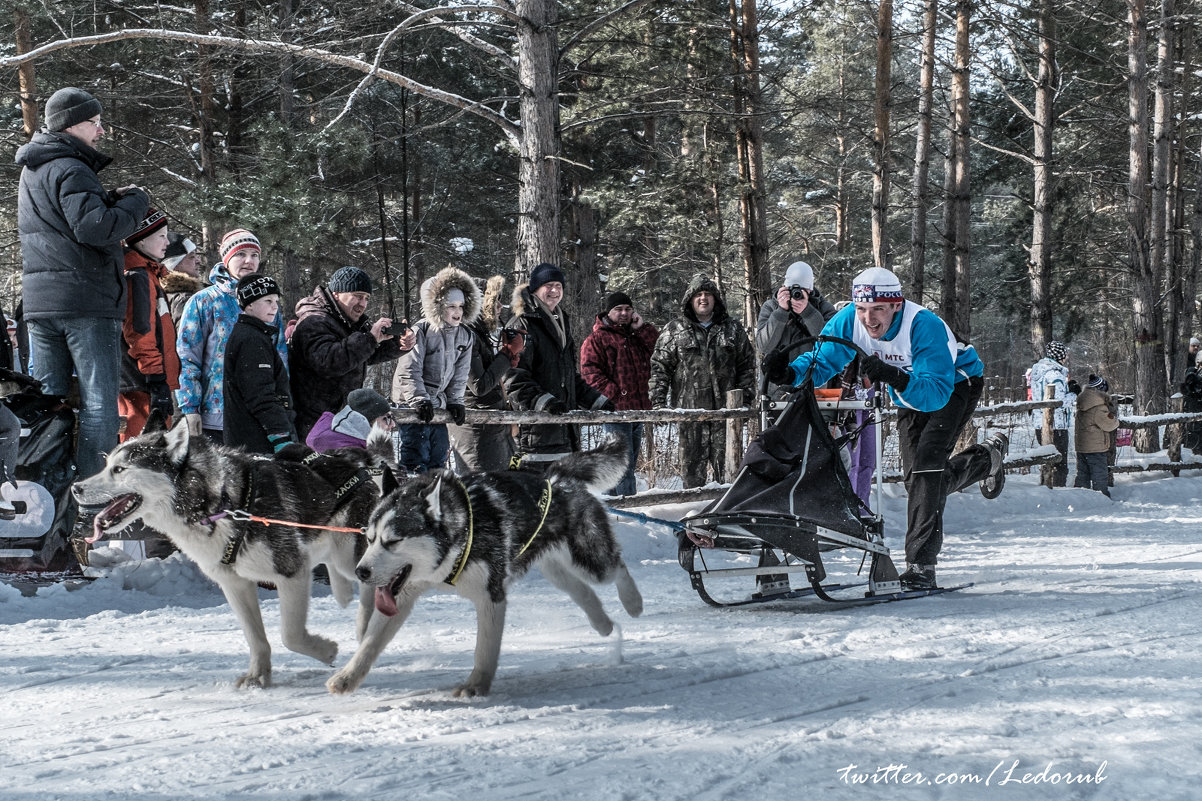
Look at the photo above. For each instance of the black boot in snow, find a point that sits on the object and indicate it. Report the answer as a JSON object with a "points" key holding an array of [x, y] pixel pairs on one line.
{"points": [[918, 577]]}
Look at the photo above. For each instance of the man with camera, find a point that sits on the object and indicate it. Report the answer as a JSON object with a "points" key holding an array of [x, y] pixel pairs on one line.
{"points": [[334, 342], [797, 313]]}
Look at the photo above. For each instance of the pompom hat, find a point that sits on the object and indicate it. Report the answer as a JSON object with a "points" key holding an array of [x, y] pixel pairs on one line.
{"points": [[1056, 350], [237, 240]]}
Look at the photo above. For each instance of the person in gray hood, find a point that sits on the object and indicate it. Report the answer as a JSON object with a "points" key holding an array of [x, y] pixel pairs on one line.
{"points": [[73, 267]]}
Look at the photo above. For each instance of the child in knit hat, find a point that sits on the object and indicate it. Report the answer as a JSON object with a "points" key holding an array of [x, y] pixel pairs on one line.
{"points": [[258, 403], [1095, 422]]}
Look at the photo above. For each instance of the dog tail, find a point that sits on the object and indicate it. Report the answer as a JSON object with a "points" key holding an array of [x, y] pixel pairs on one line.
{"points": [[599, 469]]}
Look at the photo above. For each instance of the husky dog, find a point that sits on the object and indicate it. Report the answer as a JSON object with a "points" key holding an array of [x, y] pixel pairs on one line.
{"points": [[476, 535], [185, 487]]}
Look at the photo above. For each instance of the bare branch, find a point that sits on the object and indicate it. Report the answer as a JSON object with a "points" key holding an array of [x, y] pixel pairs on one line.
{"points": [[511, 129], [416, 17], [604, 19]]}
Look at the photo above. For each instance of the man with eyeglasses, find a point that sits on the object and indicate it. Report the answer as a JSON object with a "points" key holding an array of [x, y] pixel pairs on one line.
{"points": [[73, 274]]}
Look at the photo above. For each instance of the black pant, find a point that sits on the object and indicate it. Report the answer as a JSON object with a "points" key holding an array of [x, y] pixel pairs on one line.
{"points": [[1060, 440], [931, 472]]}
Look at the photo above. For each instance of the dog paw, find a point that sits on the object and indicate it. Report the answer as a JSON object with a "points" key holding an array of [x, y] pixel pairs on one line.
{"points": [[470, 690], [262, 680], [325, 651], [342, 683]]}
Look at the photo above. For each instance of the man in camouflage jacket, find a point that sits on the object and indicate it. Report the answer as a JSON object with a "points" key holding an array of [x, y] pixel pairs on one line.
{"points": [[698, 358]]}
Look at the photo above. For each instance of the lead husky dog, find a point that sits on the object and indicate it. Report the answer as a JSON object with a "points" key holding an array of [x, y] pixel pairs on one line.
{"points": [[478, 534], [184, 486]]}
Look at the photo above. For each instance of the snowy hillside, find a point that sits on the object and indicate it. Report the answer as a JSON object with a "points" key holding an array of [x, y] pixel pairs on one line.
{"points": [[1075, 657]]}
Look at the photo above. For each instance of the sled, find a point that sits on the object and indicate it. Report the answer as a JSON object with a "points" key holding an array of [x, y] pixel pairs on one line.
{"points": [[790, 512], [37, 538]]}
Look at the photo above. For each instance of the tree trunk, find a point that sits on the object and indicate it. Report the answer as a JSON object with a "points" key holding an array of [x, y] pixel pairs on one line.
{"points": [[204, 114], [1186, 277], [749, 146], [539, 152], [1162, 136], [28, 82], [947, 292], [922, 155], [881, 256], [1149, 364], [1039, 265], [961, 319]]}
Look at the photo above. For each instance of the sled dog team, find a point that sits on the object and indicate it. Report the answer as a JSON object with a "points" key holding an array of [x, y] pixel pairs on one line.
{"points": [[248, 520]]}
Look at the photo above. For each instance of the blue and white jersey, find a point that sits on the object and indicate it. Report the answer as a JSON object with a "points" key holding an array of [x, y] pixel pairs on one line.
{"points": [[917, 341]]}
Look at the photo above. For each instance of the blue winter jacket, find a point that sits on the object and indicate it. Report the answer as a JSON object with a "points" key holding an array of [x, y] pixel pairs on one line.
{"points": [[204, 330], [933, 372]]}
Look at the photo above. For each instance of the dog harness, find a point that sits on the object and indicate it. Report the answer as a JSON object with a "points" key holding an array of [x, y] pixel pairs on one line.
{"points": [[242, 514], [544, 505]]}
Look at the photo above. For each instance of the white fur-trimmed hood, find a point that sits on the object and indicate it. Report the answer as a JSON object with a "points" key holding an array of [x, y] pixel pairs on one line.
{"points": [[435, 290]]}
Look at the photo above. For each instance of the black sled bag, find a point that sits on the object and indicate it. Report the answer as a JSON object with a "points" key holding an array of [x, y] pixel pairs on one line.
{"points": [[39, 539]]}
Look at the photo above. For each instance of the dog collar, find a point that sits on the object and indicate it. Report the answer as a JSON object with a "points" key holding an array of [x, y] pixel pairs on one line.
{"points": [[235, 541]]}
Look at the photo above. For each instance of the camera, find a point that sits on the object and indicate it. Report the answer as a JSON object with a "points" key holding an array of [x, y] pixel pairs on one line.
{"points": [[797, 293], [397, 329]]}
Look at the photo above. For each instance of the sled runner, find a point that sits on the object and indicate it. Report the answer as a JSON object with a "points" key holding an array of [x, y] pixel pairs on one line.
{"points": [[791, 507]]}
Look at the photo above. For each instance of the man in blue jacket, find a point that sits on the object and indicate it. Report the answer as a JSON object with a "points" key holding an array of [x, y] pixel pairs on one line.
{"points": [[934, 381], [73, 273]]}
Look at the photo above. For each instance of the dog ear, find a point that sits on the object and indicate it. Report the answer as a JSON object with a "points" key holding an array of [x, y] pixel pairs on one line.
{"points": [[177, 443], [434, 501], [155, 422], [388, 482]]}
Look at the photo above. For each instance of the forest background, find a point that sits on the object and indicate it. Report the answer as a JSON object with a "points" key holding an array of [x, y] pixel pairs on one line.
{"points": [[1030, 169]]}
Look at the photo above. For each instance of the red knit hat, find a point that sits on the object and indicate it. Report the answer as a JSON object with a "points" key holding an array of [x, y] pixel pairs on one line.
{"points": [[153, 221], [236, 240]]}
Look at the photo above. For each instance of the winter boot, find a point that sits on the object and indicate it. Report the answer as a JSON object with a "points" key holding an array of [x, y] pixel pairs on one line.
{"points": [[770, 585], [918, 577], [998, 445]]}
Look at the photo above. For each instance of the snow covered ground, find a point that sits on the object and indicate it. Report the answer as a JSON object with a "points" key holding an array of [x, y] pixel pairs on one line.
{"points": [[1069, 671]]}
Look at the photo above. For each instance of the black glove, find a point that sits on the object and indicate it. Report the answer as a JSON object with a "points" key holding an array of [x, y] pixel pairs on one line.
{"points": [[776, 368], [556, 407], [608, 406], [1074, 387], [424, 409], [160, 395], [879, 371], [458, 412]]}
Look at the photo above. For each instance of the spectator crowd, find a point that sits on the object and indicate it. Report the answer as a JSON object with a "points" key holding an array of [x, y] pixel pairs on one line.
{"points": [[114, 297]]}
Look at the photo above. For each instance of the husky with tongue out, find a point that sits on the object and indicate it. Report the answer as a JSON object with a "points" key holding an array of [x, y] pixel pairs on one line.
{"points": [[476, 535], [206, 499]]}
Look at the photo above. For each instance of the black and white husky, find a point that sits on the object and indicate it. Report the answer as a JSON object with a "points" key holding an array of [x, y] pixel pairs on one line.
{"points": [[187, 487], [476, 535]]}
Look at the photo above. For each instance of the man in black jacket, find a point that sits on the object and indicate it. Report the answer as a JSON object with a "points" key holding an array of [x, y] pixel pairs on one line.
{"points": [[334, 342], [73, 274]]}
